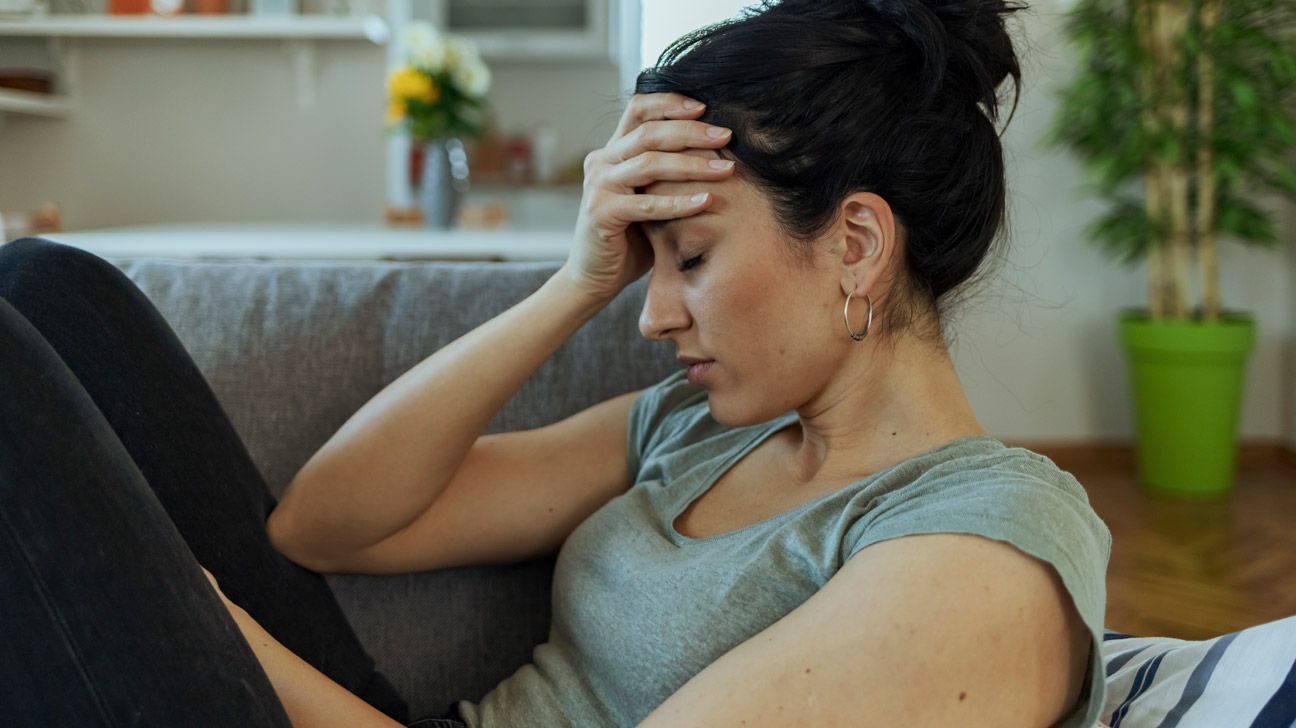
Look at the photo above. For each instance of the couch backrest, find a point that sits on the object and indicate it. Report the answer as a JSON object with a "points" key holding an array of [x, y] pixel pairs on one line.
{"points": [[293, 349]]}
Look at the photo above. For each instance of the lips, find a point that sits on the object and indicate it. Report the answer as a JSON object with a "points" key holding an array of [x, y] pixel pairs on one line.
{"points": [[698, 370], [689, 361]]}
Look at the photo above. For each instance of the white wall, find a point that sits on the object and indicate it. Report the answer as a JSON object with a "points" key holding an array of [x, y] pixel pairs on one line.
{"points": [[585, 99], [184, 130], [665, 20], [208, 130], [1287, 387], [189, 130]]}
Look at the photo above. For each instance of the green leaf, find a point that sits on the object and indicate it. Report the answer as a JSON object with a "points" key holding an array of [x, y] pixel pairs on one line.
{"points": [[1285, 180], [1243, 93], [1125, 232], [1244, 221], [1252, 139]]}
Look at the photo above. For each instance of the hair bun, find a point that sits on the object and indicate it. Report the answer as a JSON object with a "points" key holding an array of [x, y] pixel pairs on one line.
{"points": [[959, 41], [826, 99]]}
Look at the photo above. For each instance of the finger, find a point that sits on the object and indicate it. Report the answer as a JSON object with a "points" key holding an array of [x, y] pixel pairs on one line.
{"points": [[667, 136], [645, 107], [210, 578], [641, 207], [651, 167]]}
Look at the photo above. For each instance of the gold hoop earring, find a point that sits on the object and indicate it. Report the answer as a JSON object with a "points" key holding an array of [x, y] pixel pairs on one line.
{"points": [[846, 315]]}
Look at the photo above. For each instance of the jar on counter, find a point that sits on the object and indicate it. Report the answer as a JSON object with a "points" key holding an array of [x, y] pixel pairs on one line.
{"points": [[518, 160], [545, 154]]}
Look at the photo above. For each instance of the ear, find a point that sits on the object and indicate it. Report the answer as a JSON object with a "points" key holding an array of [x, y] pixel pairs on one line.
{"points": [[868, 240]]}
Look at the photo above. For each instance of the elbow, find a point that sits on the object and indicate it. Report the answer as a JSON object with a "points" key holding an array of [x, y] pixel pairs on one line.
{"points": [[277, 530], [284, 539]]}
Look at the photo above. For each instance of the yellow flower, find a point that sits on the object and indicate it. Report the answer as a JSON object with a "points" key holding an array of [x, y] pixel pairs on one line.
{"points": [[395, 111], [409, 83]]}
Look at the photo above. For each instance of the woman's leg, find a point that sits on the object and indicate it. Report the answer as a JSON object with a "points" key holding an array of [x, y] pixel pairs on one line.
{"points": [[107, 618], [153, 396]]}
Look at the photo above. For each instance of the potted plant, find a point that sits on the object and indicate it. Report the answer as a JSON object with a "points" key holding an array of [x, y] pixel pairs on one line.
{"points": [[438, 97], [1182, 112]]}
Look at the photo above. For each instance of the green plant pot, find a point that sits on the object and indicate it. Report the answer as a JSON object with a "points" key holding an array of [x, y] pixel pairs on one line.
{"points": [[1187, 379]]}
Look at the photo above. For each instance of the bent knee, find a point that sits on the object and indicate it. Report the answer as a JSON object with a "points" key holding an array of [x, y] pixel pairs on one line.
{"points": [[32, 250], [46, 265]]}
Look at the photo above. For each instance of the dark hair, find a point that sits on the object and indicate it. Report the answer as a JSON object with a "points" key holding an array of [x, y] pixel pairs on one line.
{"points": [[895, 97]]}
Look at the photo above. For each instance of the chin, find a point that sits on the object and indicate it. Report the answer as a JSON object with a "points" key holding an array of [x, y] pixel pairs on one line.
{"points": [[729, 417]]}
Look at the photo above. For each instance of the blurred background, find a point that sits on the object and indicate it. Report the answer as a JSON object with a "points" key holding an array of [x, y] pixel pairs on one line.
{"points": [[238, 138]]}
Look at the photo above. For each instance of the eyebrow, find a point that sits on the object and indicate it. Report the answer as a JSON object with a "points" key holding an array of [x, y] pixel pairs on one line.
{"points": [[660, 226]]}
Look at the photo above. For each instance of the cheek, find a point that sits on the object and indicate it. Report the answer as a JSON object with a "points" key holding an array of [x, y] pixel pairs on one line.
{"points": [[741, 308], [773, 321], [796, 331]]}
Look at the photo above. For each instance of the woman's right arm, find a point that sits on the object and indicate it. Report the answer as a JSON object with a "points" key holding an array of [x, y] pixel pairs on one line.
{"points": [[390, 462], [392, 459]]}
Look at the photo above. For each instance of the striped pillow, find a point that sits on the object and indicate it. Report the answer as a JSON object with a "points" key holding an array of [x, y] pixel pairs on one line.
{"points": [[1245, 679]]}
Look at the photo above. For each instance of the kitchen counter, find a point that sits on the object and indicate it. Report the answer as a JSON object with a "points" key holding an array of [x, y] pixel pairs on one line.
{"points": [[325, 241]]}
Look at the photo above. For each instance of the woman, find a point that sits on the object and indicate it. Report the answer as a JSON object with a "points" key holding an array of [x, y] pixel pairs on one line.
{"points": [[806, 524]]}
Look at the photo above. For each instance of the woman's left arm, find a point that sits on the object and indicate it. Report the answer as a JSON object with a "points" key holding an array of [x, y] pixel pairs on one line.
{"points": [[926, 629], [310, 698]]}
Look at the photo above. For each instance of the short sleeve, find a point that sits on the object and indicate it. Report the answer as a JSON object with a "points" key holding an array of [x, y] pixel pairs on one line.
{"points": [[1027, 502], [1037, 507], [654, 414]]}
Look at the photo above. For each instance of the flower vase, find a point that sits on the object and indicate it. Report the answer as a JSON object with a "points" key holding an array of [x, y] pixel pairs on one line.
{"points": [[442, 181]]}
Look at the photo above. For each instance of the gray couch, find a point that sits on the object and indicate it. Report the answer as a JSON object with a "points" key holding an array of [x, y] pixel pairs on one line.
{"points": [[292, 349]]}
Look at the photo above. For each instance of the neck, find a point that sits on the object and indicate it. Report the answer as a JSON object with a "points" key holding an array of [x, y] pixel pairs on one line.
{"points": [[878, 412]]}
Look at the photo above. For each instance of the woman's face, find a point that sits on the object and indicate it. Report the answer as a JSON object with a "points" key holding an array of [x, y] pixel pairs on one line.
{"points": [[773, 326]]}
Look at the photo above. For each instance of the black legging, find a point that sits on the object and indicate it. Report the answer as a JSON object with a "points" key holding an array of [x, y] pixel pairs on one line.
{"points": [[119, 475]]}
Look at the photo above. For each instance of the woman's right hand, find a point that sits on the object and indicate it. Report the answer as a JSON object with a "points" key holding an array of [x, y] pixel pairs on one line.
{"points": [[610, 251]]}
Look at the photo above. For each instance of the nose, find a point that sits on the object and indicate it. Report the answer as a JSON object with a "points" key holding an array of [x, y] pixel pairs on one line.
{"points": [[663, 309]]}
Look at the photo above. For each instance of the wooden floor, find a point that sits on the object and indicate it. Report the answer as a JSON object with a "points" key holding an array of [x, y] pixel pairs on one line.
{"points": [[1193, 570]]}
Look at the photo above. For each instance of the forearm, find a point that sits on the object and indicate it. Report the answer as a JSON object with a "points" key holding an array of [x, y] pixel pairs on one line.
{"points": [[391, 460], [309, 697]]}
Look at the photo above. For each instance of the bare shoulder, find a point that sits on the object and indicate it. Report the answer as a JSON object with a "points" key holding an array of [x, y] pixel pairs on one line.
{"points": [[1006, 609], [941, 628]]}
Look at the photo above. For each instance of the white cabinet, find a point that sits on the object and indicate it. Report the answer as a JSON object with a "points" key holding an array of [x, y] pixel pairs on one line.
{"points": [[525, 30], [519, 29], [335, 241]]}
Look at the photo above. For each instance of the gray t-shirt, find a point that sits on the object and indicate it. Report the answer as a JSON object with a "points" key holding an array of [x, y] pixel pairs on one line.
{"points": [[639, 609]]}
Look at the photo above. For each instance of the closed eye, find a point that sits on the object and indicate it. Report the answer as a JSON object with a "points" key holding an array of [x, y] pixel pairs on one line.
{"points": [[691, 263]]}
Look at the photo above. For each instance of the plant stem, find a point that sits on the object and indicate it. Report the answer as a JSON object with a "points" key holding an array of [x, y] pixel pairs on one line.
{"points": [[1172, 22], [1140, 11], [1205, 164], [1160, 24]]}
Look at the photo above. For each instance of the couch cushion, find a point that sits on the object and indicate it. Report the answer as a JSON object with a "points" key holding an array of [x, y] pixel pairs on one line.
{"points": [[293, 349]]}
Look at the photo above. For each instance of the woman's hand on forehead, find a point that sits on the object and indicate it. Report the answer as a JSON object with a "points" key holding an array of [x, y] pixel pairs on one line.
{"points": [[650, 107], [658, 140]]}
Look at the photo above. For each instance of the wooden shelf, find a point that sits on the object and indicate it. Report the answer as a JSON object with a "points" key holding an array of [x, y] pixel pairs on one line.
{"points": [[27, 102], [306, 27]]}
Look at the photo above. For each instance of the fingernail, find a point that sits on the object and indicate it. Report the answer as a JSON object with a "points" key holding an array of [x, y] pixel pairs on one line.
{"points": [[690, 105], [716, 132], [721, 163], [699, 198]]}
